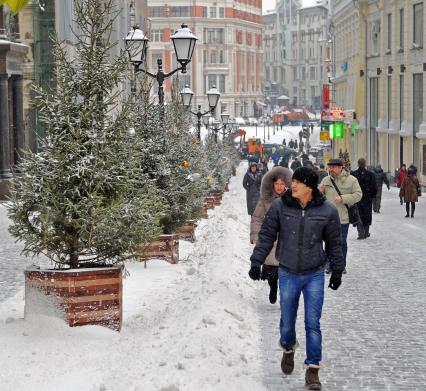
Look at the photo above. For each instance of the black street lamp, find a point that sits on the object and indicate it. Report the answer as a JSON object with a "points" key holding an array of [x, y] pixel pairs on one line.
{"points": [[216, 124], [213, 96], [137, 44]]}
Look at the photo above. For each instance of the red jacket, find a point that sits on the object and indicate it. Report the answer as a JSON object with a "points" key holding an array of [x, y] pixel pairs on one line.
{"points": [[401, 176]]}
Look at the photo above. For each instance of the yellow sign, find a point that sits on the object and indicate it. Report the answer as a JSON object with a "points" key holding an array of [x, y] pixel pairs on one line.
{"points": [[324, 136], [15, 5]]}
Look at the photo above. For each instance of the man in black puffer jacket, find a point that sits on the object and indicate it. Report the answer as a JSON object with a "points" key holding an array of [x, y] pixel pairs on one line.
{"points": [[303, 220]]}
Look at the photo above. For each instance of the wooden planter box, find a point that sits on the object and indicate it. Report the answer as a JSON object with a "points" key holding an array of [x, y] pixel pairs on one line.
{"points": [[90, 296], [226, 187], [187, 231], [204, 213], [210, 202], [165, 247], [217, 195]]}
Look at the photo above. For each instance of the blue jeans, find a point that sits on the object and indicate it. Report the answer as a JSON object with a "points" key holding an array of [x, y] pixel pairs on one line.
{"points": [[312, 287]]}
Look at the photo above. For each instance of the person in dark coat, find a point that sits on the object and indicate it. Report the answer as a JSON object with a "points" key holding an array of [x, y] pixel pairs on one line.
{"points": [[322, 173], [367, 182], [291, 144], [410, 190], [295, 164], [305, 224], [381, 178], [251, 182]]}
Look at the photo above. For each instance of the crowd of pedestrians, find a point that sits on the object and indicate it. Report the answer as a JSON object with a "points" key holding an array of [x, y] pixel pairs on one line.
{"points": [[300, 218]]}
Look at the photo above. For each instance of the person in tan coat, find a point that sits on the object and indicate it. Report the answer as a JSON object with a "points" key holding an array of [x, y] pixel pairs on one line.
{"points": [[274, 184]]}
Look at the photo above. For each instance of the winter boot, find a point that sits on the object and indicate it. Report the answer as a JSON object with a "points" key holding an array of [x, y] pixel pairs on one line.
{"points": [[287, 362], [311, 378], [273, 283]]}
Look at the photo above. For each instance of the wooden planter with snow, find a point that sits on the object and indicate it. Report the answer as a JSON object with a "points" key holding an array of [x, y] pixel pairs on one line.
{"points": [[210, 202], [226, 186], [204, 213], [165, 247], [217, 195], [89, 296], [187, 231]]}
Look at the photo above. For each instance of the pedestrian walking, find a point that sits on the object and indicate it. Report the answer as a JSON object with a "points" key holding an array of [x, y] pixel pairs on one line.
{"points": [[322, 173], [274, 184], [401, 175], [295, 164], [303, 221], [251, 182], [367, 182], [381, 178], [350, 194], [291, 144], [410, 191], [284, 142]]}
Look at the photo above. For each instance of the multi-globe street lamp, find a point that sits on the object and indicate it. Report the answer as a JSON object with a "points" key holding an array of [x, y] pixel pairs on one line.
{"points": [[213, 96], [137, 44], [215, 126]]}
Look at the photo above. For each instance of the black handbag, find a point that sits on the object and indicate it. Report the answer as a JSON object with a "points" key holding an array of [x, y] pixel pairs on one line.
{"points": [[353, 212]]}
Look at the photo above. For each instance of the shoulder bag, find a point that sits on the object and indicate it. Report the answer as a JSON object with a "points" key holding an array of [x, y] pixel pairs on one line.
{"points": [[353, 211]]}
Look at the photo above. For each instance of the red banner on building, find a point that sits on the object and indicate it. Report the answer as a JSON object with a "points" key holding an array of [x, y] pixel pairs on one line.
{"points": [[326, 96]]}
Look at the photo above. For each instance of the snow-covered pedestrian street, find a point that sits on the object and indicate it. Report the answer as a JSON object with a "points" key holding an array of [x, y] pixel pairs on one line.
{"points": [[204, 325]]}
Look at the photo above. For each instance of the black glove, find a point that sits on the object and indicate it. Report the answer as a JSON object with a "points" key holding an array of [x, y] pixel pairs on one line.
{"points": [[269, 273], [335, 281], [254, 273]]}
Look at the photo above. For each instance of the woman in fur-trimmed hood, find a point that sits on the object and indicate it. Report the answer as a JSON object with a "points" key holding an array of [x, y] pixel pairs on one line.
{"points": [[274, 184]]}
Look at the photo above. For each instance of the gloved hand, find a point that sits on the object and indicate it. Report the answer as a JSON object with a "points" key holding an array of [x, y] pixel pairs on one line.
{"points": [[254, 273], [335, 281]]}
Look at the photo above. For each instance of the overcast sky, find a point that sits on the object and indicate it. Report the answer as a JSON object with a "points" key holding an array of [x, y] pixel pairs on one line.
{"points": [[270, 4]]}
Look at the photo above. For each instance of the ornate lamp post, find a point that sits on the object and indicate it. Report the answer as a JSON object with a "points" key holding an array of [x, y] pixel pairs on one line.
{"points": [[137, 44], [213, 96]]}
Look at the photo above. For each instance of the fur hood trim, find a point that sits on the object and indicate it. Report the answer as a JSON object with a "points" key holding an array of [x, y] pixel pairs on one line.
{"points": [[267, 192]]}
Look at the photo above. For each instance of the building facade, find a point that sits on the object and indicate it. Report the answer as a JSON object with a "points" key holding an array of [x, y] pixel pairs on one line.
{"points": [[228, 54], [13, 135], [309, 47], [391, 61]]}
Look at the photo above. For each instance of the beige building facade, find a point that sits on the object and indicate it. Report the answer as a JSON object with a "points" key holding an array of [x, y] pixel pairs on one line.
{"points": [[389, 81]]}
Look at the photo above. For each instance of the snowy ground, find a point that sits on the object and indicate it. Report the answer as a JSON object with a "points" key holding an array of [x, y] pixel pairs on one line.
{"points": [[204, 325]]}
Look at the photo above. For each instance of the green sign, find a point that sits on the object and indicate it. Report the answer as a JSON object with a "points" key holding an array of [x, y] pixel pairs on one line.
{"points": [[326, 124], [354, 128], [338, 130]]}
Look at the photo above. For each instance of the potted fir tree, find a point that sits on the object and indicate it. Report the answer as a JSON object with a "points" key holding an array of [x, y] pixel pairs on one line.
{"points": [[176, 161], [83, 201]]}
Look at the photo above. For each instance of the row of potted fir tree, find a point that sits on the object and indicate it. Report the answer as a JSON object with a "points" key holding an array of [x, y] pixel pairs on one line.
{"points": [[113, 173]]}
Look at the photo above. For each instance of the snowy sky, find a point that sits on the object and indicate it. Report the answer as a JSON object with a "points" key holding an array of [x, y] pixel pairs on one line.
{"points": [[270, 4]]}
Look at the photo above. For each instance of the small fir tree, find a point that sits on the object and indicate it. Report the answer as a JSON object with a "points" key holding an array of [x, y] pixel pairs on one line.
{"points": [[84, 198]]}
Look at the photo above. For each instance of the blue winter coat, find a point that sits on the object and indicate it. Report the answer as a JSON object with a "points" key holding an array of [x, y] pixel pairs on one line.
{"points": [[301, 234]]}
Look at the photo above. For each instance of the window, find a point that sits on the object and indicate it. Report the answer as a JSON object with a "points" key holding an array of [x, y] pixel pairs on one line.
{"points": [[204, 12], [221, 12], [214, 35], [216, 80], [222, 57], [204, 56], [389, 37], [303, 73], [213, 12], [401, 29], [312, 92], [418, 25], [312, 73], [156, 12], [157, 35], [213, 57], [389, 98], [401, 100], [179, 12]]}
